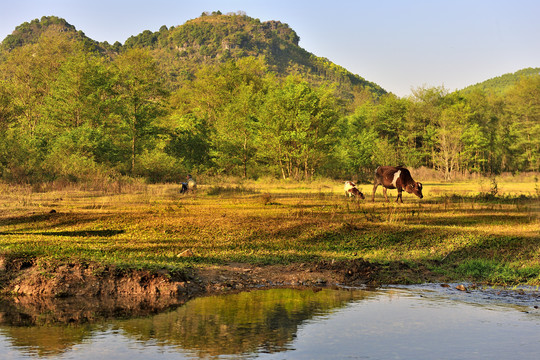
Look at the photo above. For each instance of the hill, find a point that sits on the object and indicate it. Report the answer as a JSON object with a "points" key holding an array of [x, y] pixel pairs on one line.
{"points": [[29, 33], [214, 38], [211, 39], [498, 85]]}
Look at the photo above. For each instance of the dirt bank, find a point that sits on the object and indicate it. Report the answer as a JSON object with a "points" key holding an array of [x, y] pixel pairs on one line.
{"points": [[32, 277], [54, 292]]}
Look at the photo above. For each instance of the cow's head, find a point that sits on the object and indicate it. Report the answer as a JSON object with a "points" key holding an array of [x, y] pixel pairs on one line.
{"points": [[415, 188], [356, 192]]}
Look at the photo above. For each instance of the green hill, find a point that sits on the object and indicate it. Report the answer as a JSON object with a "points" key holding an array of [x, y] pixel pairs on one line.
{"points": [[30, 32], [499, 85], [214, 38], [211, 39]]}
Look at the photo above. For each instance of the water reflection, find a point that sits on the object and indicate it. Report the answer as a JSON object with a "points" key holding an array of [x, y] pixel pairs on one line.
{"points": [[242, 323], [421, 322]]}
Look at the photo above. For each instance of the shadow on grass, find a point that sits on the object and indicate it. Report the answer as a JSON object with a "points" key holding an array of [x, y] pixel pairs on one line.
{"points": [[29, 224], [79, 233]]}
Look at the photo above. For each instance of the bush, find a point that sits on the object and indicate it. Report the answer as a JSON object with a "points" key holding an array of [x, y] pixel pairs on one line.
{"points": [[157, 166]]}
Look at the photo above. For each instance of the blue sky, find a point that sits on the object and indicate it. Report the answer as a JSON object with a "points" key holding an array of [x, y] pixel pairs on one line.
{"points": [[400, 45]]}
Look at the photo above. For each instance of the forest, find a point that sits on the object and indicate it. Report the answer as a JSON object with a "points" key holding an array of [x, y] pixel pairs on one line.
{"points": [[229, 95]]}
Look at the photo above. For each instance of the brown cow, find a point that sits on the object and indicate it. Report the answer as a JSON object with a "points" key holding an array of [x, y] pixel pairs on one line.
{"points": [[396, 177]]}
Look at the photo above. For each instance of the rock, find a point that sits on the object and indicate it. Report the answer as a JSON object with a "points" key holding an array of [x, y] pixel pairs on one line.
{"points": [[185, 253]]}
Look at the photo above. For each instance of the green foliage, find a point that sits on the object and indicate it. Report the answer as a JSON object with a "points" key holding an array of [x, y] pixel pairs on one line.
{"points": [[298, 127], [29, 33], [158, 166], [140, 96], [356, 152], [500, 84], [20, 157], [189, 142], [229, 94]]}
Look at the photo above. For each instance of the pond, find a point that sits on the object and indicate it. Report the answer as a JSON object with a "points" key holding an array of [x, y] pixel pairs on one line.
{"points": [[418, 322]]}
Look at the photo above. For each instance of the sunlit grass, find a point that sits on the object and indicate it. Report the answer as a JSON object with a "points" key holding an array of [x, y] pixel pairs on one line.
{"points": [[455, 232]]}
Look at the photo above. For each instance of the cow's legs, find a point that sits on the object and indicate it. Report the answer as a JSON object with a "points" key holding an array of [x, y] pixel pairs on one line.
{"points": [[384, 193], [399, 196], [374, 189]]}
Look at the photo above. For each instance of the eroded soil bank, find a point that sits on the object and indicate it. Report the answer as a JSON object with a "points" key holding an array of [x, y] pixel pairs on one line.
{"points": [[82, 292], [32, 277]]}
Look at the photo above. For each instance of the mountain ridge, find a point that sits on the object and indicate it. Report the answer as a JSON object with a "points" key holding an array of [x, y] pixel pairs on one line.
{"points": [[499, 84], [211, 39], [216, 37]]}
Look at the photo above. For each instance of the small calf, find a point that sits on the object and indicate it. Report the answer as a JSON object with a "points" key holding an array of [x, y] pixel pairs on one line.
{"points": [[351, 190]]}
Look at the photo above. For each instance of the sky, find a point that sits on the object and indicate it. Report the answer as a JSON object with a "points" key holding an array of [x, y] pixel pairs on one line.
{"points": [[398, 44]]}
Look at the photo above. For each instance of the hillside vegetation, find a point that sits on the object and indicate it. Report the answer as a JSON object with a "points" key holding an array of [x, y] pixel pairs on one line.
{"points": [[231, 95], [500, 84], [217, 38]]}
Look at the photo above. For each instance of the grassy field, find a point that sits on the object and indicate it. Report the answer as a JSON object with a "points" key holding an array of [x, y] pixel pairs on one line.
{"points": [[469, 231]]}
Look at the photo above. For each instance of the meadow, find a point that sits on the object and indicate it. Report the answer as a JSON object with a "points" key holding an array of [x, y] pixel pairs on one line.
{"points": [[476, 230]]}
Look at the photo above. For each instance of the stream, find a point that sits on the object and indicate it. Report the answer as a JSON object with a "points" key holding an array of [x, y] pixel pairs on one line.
{"points": [[400, 322]]}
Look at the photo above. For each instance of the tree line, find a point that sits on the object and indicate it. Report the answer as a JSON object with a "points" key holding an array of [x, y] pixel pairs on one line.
{"points": [[69, 112]]}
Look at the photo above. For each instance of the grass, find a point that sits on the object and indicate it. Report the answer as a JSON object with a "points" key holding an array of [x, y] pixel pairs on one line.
{"points": [[459, 231]]}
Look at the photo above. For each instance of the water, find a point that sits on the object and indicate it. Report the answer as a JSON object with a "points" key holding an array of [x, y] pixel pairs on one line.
{"points": [[421, 322]]}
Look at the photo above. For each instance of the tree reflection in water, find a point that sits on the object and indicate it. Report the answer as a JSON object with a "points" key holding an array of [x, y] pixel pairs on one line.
{"points": [[265, 320], [242, 323]]}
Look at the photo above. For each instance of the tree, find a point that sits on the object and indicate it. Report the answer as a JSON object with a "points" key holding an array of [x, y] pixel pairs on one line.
{"points": [[354, 154], [227, 98], [448, 138], [298, 127], [237, 125], [389, 121], [423, 113], [30, 71], [140, 96], [189, 142], [523, 106], [482, 147], [81, 92]]}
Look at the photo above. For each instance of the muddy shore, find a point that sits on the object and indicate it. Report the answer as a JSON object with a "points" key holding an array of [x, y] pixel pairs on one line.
{"points": [[29, 277], [82, 292]]}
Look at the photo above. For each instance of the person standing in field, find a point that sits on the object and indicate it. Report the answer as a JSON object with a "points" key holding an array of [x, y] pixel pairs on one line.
{"points": [[191, 184]]}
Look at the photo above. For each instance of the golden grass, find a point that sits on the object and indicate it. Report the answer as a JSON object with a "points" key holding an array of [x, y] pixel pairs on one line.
{"points": [[454, 232]]}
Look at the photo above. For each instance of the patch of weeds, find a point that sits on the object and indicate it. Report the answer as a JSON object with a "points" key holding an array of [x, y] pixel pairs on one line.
{"points": [[477, 269], [229, 190], [266, 199], [487, 197], [371, 215], [496, 273]]}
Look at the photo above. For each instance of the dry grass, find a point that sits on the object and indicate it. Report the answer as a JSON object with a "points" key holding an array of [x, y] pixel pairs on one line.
{"points": [[458, 231]]}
